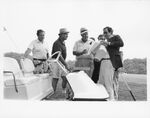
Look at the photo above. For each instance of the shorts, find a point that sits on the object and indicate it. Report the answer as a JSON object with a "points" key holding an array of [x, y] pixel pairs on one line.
{"points": [[41, 67], [57, 71]]}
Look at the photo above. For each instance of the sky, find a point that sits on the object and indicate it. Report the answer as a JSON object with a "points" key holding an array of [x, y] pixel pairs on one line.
{"points": [[129, 19]]}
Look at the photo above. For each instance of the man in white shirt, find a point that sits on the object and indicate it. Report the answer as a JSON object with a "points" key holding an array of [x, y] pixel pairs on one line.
{"points": [[103, 69], [82, 46], [39, 49], [81, 50], [96, 61]]}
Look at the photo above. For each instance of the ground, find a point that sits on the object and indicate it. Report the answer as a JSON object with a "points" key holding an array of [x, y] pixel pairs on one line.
{"points": [[137, 83]]}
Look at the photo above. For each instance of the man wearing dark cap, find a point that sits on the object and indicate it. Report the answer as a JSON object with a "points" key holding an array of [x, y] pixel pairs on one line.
{"points": [[59, 45]]}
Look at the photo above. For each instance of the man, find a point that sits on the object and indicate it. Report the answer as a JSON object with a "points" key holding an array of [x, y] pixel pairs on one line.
{"points": [[40, 52], [80, 50], [82, 46], [113, 44], [103, 69], [95, 74], [59, 45]]}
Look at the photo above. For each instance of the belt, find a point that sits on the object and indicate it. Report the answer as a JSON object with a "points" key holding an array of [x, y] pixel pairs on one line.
{"points": [[41, 61], [104, 59]]}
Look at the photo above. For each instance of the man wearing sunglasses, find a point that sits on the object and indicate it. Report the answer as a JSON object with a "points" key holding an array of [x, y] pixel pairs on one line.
{"points": [[113, 44]]}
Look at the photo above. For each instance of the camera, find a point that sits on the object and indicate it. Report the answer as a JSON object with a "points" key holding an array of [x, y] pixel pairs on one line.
{"points": [[101, 37]]}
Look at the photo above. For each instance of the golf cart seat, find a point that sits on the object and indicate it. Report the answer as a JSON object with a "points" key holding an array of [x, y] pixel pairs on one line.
{"points": [[19, 85]]}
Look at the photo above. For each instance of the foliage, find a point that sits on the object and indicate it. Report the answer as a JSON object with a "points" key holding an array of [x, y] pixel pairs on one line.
{"points": [[16, 56], [133, 66]]}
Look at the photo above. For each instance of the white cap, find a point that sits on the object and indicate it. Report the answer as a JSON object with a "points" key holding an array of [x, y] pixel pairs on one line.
{"points": [[83, 30]]}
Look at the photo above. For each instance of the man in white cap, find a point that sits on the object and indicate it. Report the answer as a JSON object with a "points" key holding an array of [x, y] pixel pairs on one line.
{"points": [[81, 50], [82, 46], [59, 45]]}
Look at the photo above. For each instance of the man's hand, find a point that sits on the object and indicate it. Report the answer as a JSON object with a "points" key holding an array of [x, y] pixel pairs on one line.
{"points": [[84, 51], [105, 43]]}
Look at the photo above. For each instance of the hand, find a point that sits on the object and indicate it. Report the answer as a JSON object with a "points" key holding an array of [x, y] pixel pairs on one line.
{"points": [[67, 68], [84, 51], [105, 43], [97, 60]]}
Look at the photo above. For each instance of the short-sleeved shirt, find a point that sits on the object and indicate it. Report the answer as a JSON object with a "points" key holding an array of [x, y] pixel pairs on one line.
{"points": [[80, 45], [39, 49], [101, 53], [59, 46]]}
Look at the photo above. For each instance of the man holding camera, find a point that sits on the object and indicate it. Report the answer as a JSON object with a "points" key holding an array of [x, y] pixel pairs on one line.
{"points": [[113, 44]]}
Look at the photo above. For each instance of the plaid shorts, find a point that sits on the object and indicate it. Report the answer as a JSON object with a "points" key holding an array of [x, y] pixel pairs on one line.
{"points": [[57, 71], [41, 66]]}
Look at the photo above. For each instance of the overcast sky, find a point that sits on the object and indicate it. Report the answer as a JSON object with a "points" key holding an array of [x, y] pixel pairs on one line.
{"points": [[129, 19]]}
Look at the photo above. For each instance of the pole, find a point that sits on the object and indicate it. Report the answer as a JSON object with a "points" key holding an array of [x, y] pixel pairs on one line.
{"points": [[9, 36], [129, 88]]}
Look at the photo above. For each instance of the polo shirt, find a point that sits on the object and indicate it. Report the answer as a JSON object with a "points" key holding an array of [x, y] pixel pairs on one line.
{"points": [[59, 46], [80, 45], [39, 49]]}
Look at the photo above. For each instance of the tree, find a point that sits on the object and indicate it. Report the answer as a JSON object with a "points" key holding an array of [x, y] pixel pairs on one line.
{"points": [[135, 66]]}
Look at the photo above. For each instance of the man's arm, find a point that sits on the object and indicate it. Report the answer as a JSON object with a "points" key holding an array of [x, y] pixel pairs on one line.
{"points": [[29, 49], [63, 62], [117, 42], [27, 52], [76, 53]]}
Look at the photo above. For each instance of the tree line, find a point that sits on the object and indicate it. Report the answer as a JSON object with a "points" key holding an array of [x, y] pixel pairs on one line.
{"points": [[135, 66], [132, 66]]}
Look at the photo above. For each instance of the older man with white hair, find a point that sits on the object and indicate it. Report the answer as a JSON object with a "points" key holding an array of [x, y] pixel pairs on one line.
{"points": [[83, 45], [81, 49]]}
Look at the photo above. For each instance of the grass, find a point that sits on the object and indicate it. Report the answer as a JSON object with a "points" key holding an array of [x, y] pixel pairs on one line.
{"points": [[137, 83]]}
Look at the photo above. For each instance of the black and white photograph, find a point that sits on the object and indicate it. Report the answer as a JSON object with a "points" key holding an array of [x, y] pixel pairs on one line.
{"points": [[74, 58]]}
